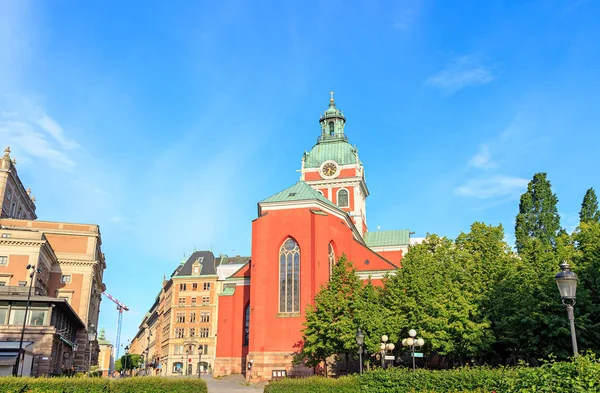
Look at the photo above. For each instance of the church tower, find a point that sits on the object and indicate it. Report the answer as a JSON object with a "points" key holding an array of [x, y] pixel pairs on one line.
{"points": [[333, 169]]}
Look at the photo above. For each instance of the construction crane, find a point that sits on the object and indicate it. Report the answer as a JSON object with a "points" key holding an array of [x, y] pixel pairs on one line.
{"points": [[121, 307]]}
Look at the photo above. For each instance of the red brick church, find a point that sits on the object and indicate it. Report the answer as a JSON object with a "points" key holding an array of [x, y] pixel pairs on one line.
{"points": [[298, 235]]}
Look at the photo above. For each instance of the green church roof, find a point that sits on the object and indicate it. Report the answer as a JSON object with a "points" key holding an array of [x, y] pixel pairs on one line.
{"points": [[399, 237], [338, 150], [298, 192]]}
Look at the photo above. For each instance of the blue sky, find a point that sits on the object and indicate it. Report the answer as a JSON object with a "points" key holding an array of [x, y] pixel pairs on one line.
{"points": [[165, 122]]}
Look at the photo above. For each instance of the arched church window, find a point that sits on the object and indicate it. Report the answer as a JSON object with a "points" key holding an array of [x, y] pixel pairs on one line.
{"points": [[331, 129], [289, 276], [247, 325], [331, 260], [342, 198]]}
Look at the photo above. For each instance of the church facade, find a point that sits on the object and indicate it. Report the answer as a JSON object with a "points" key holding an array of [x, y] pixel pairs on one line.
{"points": [[297, 236]]}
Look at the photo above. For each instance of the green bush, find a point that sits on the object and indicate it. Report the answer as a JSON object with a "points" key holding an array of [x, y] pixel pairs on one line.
{"points": [[580, 375], [97, 385], [314, 385]]}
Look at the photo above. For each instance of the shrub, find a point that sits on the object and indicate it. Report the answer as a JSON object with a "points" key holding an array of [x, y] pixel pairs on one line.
{"points": [[97, 385], [577, 376], [314, 385]]}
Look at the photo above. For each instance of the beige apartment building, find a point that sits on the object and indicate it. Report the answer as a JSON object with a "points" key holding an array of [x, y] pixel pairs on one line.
{"points": [[182, 322], [67, 266]]}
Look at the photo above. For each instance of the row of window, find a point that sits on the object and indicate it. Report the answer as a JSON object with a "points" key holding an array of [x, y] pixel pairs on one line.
{"points": [[15, 211], [183, 302], [11, 315], [190, 349], [204, 317], [202, 332], [342, 197], [194, 286]]}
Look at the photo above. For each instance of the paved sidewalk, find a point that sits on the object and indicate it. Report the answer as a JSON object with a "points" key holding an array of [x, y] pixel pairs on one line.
{"points": [[231, 384]]}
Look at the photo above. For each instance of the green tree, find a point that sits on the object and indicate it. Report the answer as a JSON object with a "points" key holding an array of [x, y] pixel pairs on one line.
{"points": [[330, 326], [589, 207], [538, 219], [432, 294], [128, 362]]}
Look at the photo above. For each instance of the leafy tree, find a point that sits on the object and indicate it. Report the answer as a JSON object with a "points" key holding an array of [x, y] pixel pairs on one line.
{"points": [[589, 207], [371, 316], [433, 295], [128, 362], [538, 219], [330, 325]]}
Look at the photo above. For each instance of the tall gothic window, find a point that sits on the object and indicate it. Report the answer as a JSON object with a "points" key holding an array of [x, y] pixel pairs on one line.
{"points": [[289, 276], [331, 129], [247, 325], [342, 198], [331, 260]]}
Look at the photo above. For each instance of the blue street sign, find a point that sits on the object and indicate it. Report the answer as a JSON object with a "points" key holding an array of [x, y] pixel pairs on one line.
{"points": [[418, 354]]}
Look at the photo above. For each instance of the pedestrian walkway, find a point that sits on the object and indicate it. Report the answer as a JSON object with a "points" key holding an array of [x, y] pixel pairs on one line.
{"points": [[231, 384]]}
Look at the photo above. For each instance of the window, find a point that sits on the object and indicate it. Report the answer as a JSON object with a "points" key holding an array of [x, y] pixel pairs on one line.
{"points": [[289, 276], [192, 317], [8, 194], [192, 332], [206, 286], [3, 315], [177, 367], [65, 278], [205, 300], [331, 260], [331, 128], [179, 332], [195, 286], [3, 260], [6, 235], [203, 332], [2, 283], [22, 283], [180, 318], [181, 301], [196, 269], [205, 316], [17, 315], [193, 301], [182, 287], [178, 350], [203, 349], [342, 198], [37, 317], [247, 325]]}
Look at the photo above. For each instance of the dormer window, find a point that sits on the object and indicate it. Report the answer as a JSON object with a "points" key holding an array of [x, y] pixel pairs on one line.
{"points": [[331, 128], [196, 269]]}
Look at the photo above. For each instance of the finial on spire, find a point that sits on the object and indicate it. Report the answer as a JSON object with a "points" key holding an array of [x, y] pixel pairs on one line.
{"points": [[7, 150], [29, 191], [331, 93]]}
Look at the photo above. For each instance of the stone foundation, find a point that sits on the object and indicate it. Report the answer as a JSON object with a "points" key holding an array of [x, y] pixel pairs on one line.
{"points": [[228, 366], [269, 365]]}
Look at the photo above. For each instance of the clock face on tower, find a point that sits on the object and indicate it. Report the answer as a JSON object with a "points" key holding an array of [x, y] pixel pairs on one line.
{"points": [[329, 169]]}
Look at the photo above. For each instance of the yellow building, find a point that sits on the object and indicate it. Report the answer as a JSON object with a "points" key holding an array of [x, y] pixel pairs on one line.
{"points": [[182, 322], [105, 356]]}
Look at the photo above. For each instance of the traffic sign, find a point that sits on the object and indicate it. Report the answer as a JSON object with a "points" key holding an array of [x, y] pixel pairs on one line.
{"points": [[389, 357], [418, 354]]}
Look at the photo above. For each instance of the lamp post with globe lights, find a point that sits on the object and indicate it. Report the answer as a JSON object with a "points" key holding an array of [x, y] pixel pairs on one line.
{"points": [[360, 339], [21, 353], [411, 342], [566, 280], [384, 348]]}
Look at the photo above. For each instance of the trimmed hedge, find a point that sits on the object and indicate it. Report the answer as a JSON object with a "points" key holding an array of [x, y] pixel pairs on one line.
{"points": [[96, 385], [580, 375]]}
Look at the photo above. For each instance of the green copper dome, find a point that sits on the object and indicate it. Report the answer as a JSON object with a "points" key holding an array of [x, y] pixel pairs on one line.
{"points": [[340, 151]]}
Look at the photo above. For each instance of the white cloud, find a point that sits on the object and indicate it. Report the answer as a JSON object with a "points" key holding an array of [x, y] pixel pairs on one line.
{"points": [[34, 135], [493, 187], [483, 158], [461, 72]]}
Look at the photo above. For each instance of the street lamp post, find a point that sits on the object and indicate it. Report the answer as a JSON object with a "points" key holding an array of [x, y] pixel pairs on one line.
{"points": [[412, 342], [126, 357], [21, 356], [91, 338], [187, 359], [384, 347], [566, 280], [360, 339], [200, 347], [147, 348]]}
